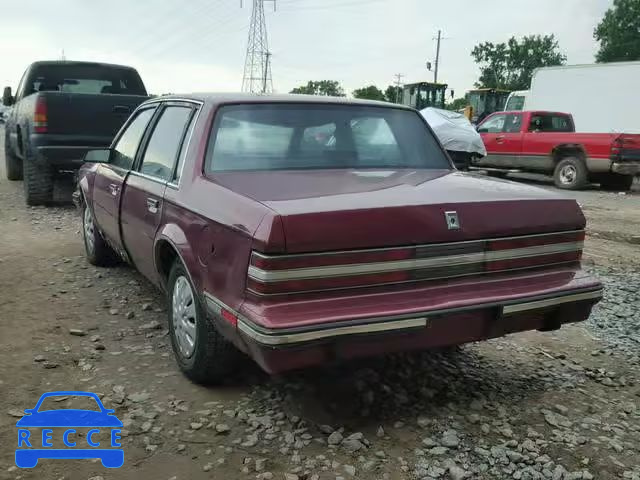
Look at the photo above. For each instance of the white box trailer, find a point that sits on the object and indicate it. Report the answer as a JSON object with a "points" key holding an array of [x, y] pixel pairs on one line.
{"points": [[602, 98]]}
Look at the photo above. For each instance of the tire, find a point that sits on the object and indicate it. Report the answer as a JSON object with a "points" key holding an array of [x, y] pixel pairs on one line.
{"points": [[12, 162], [38, 179], [614, 182], [571, 174], [210, 358], [98, 252]]}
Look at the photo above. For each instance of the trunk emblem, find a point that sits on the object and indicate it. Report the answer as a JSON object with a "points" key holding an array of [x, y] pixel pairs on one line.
{"points": [[453, 223]]}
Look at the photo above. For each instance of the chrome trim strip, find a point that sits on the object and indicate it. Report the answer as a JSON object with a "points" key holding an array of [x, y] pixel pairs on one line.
{"points": [[148, 177], [485, 276], [406, 247], [272, 337], [549, 302], [420, 322], [267, 276]]}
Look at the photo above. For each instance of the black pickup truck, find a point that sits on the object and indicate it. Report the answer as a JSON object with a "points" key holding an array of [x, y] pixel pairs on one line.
{"points": [[60, 110]]}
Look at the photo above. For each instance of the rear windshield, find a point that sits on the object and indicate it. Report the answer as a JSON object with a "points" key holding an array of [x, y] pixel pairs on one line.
{"points": [[311, 136], [93, 79]]}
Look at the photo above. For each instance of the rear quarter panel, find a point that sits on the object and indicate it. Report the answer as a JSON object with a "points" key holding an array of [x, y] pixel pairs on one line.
{"points": [[210, 226]]}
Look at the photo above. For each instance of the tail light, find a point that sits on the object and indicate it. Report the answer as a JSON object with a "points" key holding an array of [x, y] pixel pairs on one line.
{"points": [[286, 274], [621, 143], [40, 116]]}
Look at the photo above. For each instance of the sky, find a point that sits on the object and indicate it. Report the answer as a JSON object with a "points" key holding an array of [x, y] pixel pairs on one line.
{"points": [[182, 46]]}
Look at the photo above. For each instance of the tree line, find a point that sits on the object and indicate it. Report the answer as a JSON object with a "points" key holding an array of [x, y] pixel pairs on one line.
{"points": [[510, 65]]}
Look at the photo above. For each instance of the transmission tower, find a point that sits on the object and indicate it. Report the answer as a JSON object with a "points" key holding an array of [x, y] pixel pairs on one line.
{"points": [[257, 65]]}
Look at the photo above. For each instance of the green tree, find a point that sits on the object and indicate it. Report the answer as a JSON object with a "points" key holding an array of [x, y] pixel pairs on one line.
{"points": [[370, 93], [457, 104], [619, 32], [393, 94], [320, 87], [510, 65]]}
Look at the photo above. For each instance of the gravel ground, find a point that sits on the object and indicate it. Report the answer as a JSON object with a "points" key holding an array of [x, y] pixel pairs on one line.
{"points": [[560, 405]]}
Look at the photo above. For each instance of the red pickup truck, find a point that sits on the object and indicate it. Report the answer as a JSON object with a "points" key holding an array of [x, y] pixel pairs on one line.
{"points": [[546, 142]]}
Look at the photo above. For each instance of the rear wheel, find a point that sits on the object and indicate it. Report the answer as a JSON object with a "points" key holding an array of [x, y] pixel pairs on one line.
{"points": [[12, 162], [616, 182], [202, 353], [570, 174], [98, 252], [38, 179]]}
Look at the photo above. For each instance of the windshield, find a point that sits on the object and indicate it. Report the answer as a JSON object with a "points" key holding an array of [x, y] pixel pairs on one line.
{"points": [[85, 78], [515, 102], [320, 136]]}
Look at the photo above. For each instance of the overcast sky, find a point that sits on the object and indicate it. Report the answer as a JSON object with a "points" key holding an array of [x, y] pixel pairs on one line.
{"points": [[199, 45]]}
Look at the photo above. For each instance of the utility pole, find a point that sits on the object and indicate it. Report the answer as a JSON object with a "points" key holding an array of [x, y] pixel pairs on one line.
{"points": [[257, 67], [398, 85], [267, 72], [435, 73]]}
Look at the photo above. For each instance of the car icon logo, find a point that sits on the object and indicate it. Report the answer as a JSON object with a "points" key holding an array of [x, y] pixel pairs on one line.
{"points": [[39, 428]]}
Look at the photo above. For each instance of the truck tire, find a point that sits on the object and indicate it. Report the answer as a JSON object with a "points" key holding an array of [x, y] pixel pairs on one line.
{"points": [[571, 174], [38, 179], [12, 162], [208, 358], [614, 182], [97, 250]]}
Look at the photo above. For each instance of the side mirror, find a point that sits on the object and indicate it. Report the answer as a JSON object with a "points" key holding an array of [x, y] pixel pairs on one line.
{"points": [[28, 411], [7, 98], [102, 155]]}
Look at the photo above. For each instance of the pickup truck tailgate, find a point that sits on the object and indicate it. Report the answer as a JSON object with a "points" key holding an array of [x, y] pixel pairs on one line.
{"points": [[88, 115]]}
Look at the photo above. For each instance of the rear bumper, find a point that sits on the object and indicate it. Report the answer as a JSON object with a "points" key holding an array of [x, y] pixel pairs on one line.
{"points": [[63, 157], [626, 168], [476, 314], [64, 152]]}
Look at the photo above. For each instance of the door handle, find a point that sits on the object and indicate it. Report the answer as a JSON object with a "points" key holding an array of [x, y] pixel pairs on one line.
{"points": [[115, 189], [500, 139], [153, 204]]}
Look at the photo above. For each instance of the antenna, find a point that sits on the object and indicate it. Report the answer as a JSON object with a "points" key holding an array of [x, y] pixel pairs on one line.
{"points": [[257, 66]]}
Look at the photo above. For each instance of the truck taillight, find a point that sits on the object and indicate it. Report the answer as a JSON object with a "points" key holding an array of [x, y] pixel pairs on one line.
{"points": [[40, 116]]}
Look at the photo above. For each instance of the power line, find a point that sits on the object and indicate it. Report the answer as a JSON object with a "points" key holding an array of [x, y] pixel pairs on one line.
{"points": [[257, 67]]}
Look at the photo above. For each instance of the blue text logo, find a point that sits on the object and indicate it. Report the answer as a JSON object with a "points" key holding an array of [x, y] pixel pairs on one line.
{"points": [[83, 433]]}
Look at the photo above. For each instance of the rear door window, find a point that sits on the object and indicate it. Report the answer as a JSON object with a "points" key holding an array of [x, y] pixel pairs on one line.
{"points": [[546, 122], [161, 154], [127, 145]]}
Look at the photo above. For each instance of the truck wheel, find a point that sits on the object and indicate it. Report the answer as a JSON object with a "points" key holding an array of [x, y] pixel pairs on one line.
{"points": [[98, 252], [615, 182], [12, 162], [570, 174], [38, 179], [202, 353]]}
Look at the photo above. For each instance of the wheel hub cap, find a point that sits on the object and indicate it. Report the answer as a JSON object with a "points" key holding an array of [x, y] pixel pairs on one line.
{"points": [[568, 174], [184, 317], [89, 230]]}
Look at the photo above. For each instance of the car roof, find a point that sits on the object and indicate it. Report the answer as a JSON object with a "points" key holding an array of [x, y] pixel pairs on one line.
{"points": [[249, 98], [45, 63]]}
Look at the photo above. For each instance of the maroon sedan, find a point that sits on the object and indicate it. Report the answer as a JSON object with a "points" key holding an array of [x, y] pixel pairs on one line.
{"points": [[301, 230]]}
